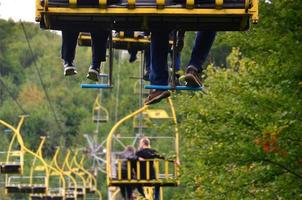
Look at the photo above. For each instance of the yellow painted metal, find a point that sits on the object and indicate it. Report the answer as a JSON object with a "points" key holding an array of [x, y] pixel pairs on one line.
{"points": [[138, 170], [114, 195], [91, 181], [146, 11], [97, 107], [119, 169], [72, 3], [24, 148], [39, 152], [148, 170], [157, 114], [131, 4], [218, 4], [69, 168], [109, 140], [177, 161], [254, 11], [39, 9], [156, 163], [103, 3], [129, 170], [190, 4], [160, 4], [166, 168], [148, 181]]}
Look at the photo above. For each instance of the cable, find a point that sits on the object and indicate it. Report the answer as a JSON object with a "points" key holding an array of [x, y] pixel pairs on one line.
{"points": [[41, 81], [12, 96]]}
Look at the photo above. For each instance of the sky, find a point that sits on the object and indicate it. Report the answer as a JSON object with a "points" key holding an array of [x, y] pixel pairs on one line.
{"points": [[18, 10]]}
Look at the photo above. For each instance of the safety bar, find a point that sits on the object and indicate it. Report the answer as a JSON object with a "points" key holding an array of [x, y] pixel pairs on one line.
{"points": [[168, 87], [96, 86]]}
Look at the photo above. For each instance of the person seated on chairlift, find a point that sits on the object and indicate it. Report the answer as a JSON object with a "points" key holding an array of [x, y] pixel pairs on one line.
{"points": [[159, 70], [98, 45]]}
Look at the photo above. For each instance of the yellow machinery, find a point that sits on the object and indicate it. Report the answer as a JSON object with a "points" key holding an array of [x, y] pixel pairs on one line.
{"points": [[166, 171], [85, 15]]}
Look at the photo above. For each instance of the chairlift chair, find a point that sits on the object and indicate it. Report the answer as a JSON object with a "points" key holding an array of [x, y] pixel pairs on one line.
{"points": [[167, 170], [137, 15], [31, 183], [99, 113]]}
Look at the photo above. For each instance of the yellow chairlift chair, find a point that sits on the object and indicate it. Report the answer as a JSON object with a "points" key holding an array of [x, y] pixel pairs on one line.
{"points": [[99, 113], [12, 160], [90, 180], [119, 40], [137, 15], [29, 183], [167, 170]]}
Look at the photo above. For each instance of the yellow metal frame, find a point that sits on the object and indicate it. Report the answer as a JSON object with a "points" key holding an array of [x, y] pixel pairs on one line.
{"points": [[249, 10], [108, 150], [97, 107], [91, 181], [26, 150]]}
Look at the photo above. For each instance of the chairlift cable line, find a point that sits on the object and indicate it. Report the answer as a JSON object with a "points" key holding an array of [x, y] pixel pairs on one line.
{"points": [[40, 78], [12, 96]]}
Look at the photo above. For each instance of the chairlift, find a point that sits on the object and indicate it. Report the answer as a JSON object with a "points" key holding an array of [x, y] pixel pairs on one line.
{"points": [[167, 170], [99, 113], [142, 15]]}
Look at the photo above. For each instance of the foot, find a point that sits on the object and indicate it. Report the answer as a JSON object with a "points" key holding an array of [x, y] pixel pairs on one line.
{"points": [[69, 69], [156, 96], [192, 77], [93, 74]]}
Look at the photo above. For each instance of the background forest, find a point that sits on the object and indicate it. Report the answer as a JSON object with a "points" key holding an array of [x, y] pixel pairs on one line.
{"points": [[240, 139]]}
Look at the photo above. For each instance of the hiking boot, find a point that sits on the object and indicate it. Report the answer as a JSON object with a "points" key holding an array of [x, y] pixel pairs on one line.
{"points": [[69, 69], [192, 77], [156, 96], [93, 74]]}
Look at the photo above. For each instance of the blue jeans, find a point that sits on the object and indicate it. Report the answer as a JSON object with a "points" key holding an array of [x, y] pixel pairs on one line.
{"points": [[202, 46], [159, 51], [98, 43], [177, 59]]}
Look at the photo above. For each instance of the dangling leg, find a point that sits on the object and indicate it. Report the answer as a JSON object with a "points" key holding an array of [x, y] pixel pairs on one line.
{"points": [[203, 43], [68, 50], [99, 45]]}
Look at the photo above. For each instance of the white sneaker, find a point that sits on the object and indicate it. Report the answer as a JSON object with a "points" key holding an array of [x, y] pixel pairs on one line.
{"points": [[93, 74], [69, 69]]}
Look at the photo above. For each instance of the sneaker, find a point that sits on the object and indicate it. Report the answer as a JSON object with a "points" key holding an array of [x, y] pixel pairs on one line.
{"points": [[93, 74], [69, 69], [192, 77], [156, 96]]}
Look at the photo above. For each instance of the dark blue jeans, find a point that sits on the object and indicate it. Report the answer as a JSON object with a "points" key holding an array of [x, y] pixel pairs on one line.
{"points": [[202, 46], [160, 48], [98, 42], [159, 51]]}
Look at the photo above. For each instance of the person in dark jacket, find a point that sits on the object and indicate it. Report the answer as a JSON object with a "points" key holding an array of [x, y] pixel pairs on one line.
{"points": [[127, 155], [144, 153]]}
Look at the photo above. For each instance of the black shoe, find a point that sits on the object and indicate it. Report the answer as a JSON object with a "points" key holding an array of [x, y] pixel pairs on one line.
{"points": [[69, 69], [156, 96], [192, 77], [93, 74]]}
